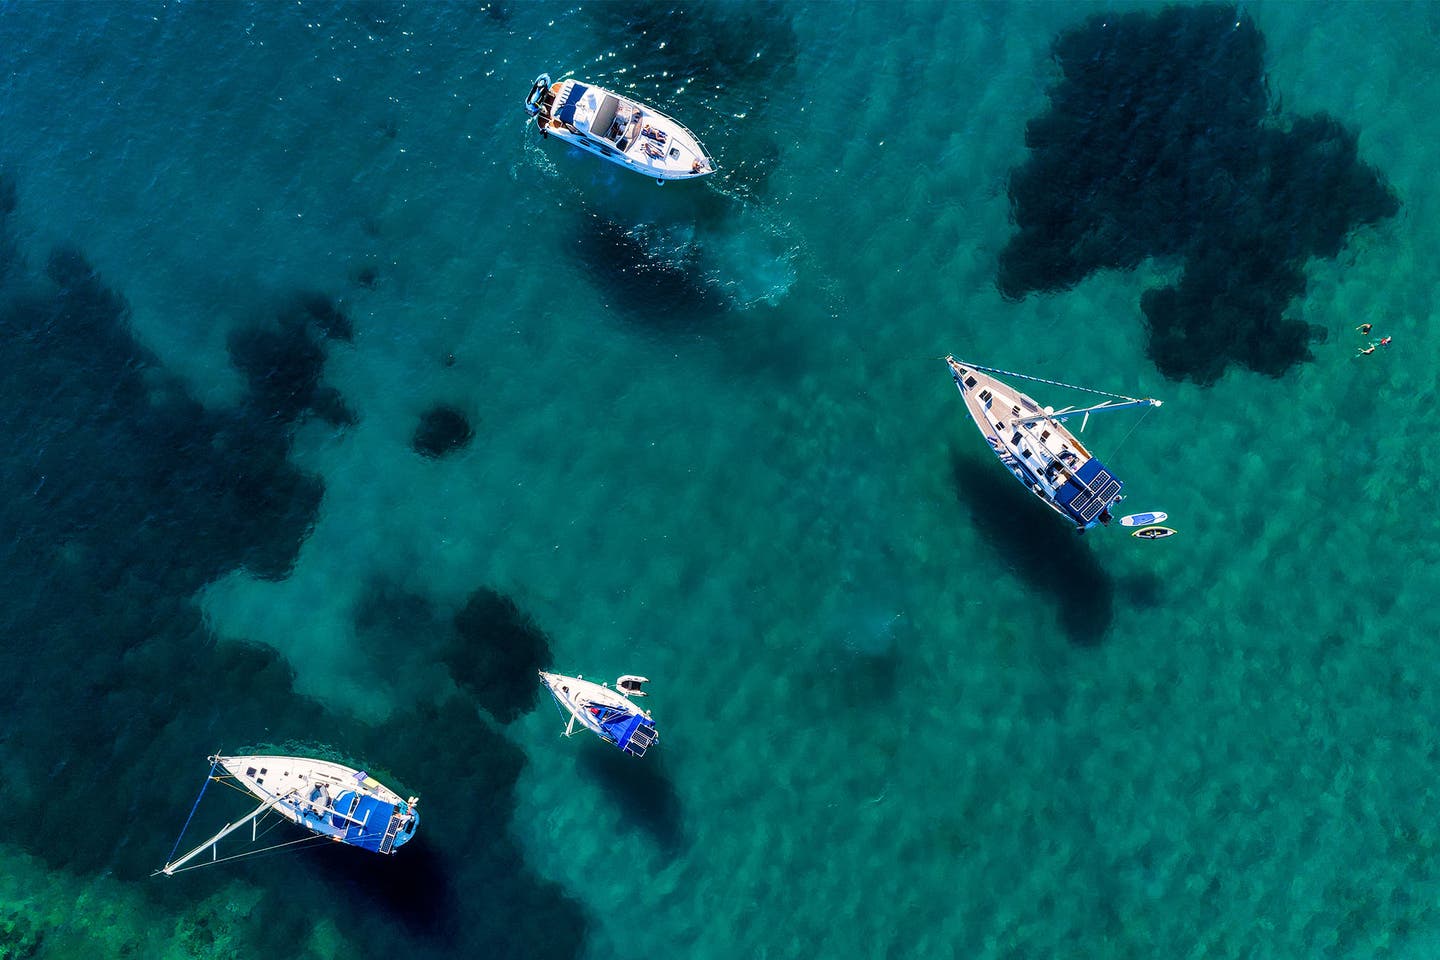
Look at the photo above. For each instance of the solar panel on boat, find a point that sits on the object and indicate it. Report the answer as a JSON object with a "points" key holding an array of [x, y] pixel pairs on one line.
{"points": [[1088, 504]]}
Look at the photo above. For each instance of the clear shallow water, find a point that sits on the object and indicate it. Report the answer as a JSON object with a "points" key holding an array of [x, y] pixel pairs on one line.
{"points": [[902, 714]]}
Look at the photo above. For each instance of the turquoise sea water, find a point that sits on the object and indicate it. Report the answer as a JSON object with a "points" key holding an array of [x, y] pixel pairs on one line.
{"points": [[904, 712]]}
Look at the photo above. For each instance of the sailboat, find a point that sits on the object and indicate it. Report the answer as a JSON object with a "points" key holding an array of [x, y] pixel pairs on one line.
{"points": [[329, 800], [605, 712], [1031, 442]]}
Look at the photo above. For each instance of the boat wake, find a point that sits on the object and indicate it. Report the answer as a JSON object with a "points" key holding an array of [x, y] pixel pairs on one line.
{"points": [[733, 254], [743, 263], [754, 261]]}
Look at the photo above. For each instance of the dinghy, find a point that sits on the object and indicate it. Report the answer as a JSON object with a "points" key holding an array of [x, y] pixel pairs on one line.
{"points": [[329, 800], [1043, 455], [616, 128], [605, 712]]}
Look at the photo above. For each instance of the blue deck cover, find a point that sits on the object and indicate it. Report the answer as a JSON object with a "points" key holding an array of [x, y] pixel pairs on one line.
{"points": [[1082, 505], [620, 726], [372, 811], [566, 113]]}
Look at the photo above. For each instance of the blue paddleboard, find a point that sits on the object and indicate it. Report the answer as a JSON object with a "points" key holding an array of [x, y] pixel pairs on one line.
{"points": [[1143, 519]]}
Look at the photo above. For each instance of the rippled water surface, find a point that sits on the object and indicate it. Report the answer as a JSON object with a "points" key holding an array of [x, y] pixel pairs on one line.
{"points": [[336, 403]]}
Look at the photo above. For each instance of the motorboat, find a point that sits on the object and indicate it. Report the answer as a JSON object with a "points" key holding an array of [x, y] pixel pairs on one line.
{"points": [[616, 128]]}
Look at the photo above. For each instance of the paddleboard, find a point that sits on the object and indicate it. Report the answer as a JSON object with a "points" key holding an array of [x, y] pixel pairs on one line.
{"points": [[1143, 519], [1153, 533]]}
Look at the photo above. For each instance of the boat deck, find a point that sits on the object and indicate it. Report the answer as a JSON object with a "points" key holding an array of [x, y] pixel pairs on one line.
{"points": [[1042, 454]]}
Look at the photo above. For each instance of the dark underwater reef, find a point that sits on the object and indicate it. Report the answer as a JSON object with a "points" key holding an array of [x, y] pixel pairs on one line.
{"points": [[1161, 142], [495, 654], [120, 497], [442, 429]]}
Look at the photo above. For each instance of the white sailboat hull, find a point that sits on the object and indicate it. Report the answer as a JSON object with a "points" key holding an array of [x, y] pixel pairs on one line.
{"points": [[326, 798], [1037, 449], [605, 712]]}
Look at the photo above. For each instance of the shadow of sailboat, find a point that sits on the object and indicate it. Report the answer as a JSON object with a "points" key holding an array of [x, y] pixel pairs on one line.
{"points": [[1038, 546]]}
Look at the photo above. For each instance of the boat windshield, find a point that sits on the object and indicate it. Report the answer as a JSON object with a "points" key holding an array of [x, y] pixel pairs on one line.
{"points": [[606, 124]]}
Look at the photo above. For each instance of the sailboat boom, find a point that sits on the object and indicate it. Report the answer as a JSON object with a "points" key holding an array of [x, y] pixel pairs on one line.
{"points": [[1097, 408], [170, 868]]}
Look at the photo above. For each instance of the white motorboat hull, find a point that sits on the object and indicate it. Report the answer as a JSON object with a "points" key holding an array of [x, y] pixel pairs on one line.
{"points": [[615, 128]]}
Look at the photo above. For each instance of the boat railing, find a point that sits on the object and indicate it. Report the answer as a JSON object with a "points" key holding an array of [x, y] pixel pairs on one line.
{"points": [[709, 160]]}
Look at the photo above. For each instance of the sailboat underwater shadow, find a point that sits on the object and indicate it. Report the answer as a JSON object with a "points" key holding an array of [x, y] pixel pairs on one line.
{"points": [[646, 794], [1046, 555]]}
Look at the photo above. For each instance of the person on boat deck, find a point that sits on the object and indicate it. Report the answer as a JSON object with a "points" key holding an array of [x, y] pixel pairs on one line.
{"points": [[659, 136], [653, 151]]}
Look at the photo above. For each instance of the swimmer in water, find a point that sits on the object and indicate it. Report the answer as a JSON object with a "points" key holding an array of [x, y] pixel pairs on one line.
{"points": [[1364, 329]]}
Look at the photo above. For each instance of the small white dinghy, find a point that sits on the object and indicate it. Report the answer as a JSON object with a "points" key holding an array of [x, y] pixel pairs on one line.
{"points": [[618, 129], [330, 800], [605, 712]]}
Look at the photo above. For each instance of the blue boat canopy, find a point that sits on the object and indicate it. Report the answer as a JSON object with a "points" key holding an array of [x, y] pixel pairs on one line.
{"points": [[1097, 488], [631, 732]]}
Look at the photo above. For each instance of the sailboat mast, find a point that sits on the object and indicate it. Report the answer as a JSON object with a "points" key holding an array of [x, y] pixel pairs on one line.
{"points": [[170, 868]]}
